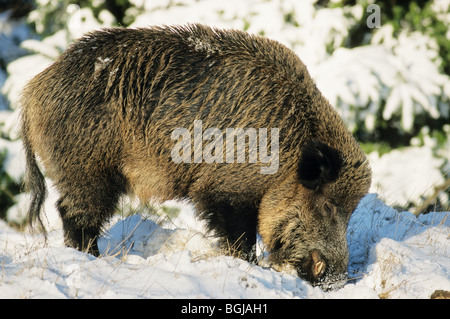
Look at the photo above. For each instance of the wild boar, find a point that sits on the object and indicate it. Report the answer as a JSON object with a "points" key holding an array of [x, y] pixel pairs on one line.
{"points": [[146, 112]]}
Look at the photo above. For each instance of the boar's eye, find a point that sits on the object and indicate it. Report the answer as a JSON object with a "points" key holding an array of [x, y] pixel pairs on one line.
{"points": [[329, 210], [319, 164]]}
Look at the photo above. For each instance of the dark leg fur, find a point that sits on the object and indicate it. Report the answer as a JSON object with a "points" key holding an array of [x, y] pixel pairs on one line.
{"points": [[236, 226], [79, 232], [85, 209]]}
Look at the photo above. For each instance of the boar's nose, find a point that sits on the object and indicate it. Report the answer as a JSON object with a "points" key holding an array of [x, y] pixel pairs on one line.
{"points": [[317, 266], [316, 270], [313, 267]]}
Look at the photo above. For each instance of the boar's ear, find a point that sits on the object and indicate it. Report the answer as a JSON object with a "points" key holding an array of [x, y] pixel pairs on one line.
{"points": [[319, 164]]}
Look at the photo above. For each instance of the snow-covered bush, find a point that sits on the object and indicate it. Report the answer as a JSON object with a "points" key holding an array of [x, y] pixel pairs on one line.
{"points": [[45, 51], [12, 33], [379, 82], [51, 16], [11, 171]]}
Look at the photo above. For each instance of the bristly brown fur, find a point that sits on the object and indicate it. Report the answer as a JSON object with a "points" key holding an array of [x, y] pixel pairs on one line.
{"points": [[100, 119]]}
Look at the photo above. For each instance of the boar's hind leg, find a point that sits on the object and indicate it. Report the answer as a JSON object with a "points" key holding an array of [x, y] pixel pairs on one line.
{"points": [[85, 205]]}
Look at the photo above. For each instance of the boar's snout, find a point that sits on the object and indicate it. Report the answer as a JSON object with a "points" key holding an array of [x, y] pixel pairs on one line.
{"points": [[316, 270]]}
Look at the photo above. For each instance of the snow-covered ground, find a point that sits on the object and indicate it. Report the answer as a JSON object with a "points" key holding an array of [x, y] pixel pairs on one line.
{"points": [[392, 254]]}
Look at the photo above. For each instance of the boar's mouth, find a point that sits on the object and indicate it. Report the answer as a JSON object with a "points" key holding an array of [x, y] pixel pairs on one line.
{"points": [[313, 268], [327, 282]]}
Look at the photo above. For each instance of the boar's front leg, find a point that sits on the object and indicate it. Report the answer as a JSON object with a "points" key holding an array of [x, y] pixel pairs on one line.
{"points": [[234, 225]]}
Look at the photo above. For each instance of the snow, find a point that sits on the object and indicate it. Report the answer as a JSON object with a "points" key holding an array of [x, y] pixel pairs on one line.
{"points": [[401, 183], [392, 255]]}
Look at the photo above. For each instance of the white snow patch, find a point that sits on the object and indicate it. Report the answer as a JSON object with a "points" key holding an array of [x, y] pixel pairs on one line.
{"points": [[405, 175]]}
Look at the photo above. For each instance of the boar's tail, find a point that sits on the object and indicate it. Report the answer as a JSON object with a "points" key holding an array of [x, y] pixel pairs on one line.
{"points": [[34, 182]]}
